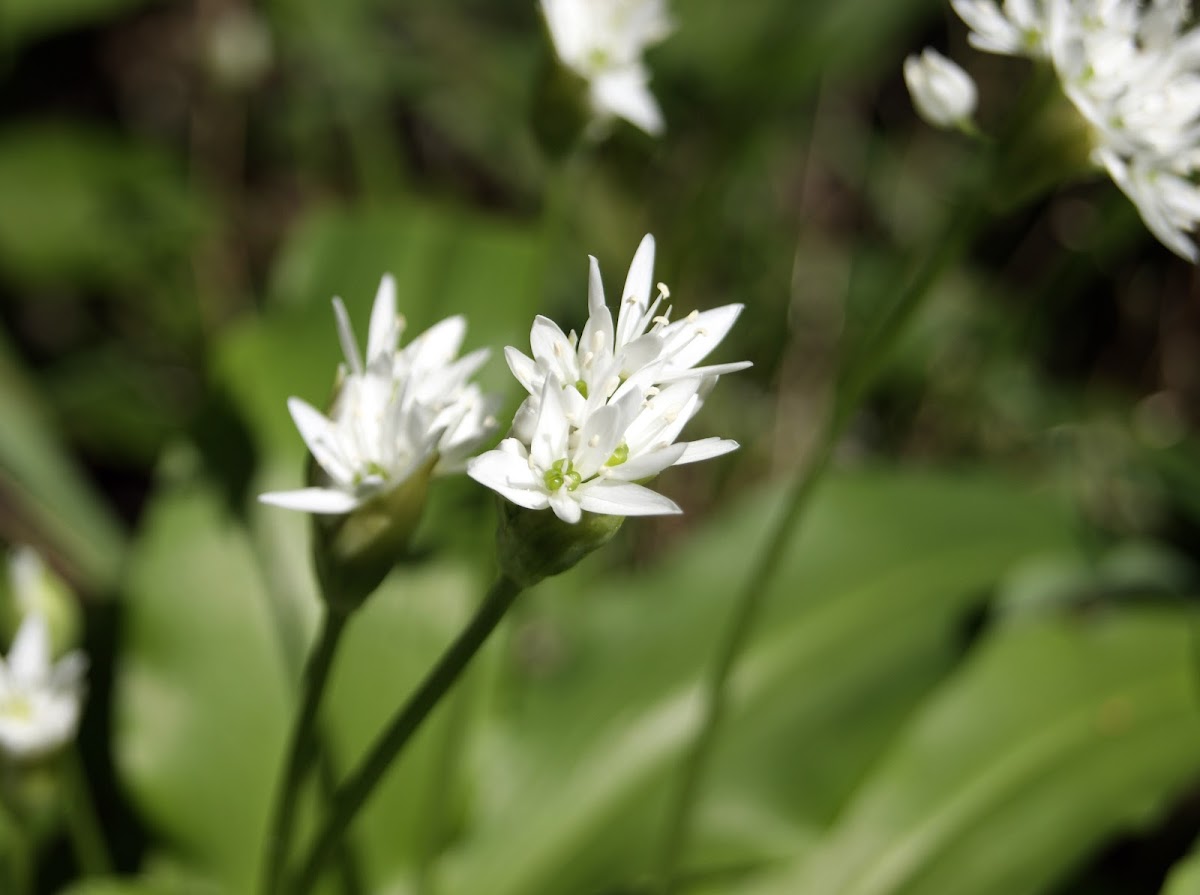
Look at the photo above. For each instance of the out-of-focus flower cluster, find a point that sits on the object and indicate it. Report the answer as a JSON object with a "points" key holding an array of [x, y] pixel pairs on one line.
{"points": [[1132, 71]]}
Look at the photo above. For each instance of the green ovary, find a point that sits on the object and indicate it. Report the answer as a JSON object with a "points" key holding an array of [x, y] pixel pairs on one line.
{"points": [[620, 455], [562, 473]]}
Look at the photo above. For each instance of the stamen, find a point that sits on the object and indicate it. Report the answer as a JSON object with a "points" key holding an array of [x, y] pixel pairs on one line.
{"points": [[663, 290]]}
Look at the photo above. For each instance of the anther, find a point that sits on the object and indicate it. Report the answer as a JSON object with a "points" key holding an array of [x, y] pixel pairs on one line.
{"points": [[663, 290]]}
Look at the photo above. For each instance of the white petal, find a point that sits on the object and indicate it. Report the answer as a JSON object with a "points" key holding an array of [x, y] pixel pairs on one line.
{"points": [[624, 499], [549, 442], [321, 437], [648, 465], [705, 449], [511, 477], [598, 438], [625, 93], [599, 317], [712, 370], [565, 506], [313, 500], [346, 337], [381, 332], [636, 295], [699, 336], [552, 350], [29, 655], [525, 368], [438, 345]]}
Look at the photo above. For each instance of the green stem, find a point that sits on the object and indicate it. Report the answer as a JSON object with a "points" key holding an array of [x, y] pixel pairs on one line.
{"points": [[302, 749], [353, 794], [856, 380], [83, 824]]}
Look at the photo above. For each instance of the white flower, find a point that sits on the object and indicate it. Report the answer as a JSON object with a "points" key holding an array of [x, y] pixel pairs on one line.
{"points": [[606, 408], [39, 701], [602, 41], [1132, 71], [393, 414], [1017, 28], [593, 366], [943, 94]]}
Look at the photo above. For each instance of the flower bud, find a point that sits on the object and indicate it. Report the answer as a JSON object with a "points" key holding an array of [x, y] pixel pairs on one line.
{"points": [[942, 93], [532, 544]]}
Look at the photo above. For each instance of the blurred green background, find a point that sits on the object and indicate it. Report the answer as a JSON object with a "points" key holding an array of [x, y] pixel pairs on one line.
{"points": [[979, 671]]}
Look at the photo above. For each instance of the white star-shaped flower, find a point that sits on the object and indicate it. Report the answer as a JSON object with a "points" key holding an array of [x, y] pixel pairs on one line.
{"points": [[608, 406], [40, 700], [602, 41], [595, 365], [393, 414]]}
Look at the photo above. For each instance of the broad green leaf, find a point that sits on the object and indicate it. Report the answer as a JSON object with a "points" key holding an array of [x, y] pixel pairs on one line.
{"points": [[201, 703], [1057, 735], [42, 480], [204, 699], [862, 620]]}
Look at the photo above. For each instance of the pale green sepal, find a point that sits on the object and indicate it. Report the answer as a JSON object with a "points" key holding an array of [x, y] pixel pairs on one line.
{"points": [[536, 544]]}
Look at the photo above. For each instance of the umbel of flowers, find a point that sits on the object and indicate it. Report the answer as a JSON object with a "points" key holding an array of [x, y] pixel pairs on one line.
{"points": [[1131, 71], [398, 416], [603, 416]]}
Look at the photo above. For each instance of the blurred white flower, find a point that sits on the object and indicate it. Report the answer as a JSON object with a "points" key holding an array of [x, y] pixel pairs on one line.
{"points": [[1014, 28], [39, 700], [393, 414], [605, 409], [943, 94], [1132, 72], [603, 41]]}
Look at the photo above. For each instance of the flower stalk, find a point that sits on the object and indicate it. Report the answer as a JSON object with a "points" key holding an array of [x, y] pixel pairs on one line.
{"points": [[962, 222], [352, 795], [302, 747]]}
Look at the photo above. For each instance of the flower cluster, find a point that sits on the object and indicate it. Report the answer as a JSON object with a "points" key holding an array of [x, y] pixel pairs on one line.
{"points": [[40, 699], [602, 41], [394, 414], [605, 407], [1132, 72]]}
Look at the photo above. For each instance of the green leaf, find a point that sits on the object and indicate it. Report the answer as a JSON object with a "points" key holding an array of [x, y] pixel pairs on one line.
{"points": [[81, 205], [203, 702], [41, 479], [1056, 735], [1184, 878], [24, 19], [861, 622]]}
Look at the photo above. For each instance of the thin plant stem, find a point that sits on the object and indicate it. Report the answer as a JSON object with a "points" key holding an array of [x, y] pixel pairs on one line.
{"points": [[353, 794], [302, 749], [857, 378], [83, 823], [348, 871]]}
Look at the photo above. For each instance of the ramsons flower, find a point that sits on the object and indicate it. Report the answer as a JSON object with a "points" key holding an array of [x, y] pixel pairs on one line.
{"points": [[602, 41], [1131, 70], [396, 413], [943, 94], [594, 365], [609, 406], [39, 699]]}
